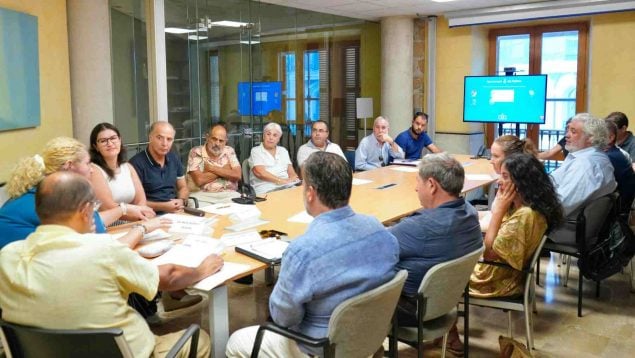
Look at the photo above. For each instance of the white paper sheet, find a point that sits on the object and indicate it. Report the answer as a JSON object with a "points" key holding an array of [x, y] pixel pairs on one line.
{"points": [[191, 252], [229, 270], [225, 208], [238, 238], [188, 219], [357, 181], [246, 225], [401, 168], [410, 162], [195, 229], [301, 217], [158, 234], [478, 177], [269, 248]]}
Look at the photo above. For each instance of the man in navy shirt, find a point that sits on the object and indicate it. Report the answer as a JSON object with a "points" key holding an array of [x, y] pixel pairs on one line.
{"points": [[161, 172], [415, 138]]}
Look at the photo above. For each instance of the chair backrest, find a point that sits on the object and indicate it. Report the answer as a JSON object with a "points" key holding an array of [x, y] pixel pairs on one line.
{"points": [[359, 325], [594, 216], [4, 196], [246, 171], [28, 342], [444, 283], [350, 158]]}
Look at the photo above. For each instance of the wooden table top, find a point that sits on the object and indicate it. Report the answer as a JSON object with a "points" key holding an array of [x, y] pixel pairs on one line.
{"points": [[386, 205]]}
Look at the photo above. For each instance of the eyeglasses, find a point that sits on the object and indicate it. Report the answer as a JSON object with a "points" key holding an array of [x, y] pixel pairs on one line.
{"points": [[102, 141]]}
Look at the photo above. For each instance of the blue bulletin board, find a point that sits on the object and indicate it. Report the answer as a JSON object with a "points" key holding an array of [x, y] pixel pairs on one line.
{"points": [[19, 71]]}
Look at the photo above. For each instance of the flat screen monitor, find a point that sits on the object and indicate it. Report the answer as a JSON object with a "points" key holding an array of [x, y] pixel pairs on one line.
{"points": [[265, 97], [505, 99]]}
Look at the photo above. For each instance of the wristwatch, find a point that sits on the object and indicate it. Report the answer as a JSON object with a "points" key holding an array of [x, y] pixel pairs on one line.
{"points": [[143, 228]]}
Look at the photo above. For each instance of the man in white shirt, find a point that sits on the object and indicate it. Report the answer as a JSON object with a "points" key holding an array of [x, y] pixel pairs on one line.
{"points": [[319, 142], [586, 173], [375, 149]]}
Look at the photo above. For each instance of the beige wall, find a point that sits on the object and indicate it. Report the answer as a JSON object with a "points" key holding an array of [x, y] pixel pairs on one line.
{"points": [[612, 65], [55, 94], [611, 80]]}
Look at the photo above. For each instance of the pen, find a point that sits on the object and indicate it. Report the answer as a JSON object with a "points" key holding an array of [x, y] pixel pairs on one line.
{"points": [[223, 207]]}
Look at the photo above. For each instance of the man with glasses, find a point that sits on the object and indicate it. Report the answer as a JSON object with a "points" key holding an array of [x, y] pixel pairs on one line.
{"points": [[319, 142], [375, 150], [63, 276], [414, 139], [161, 172], [213, 167]]}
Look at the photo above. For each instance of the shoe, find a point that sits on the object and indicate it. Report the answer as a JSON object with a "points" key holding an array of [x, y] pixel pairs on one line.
{"points": [[172, 304], [455, 346]]}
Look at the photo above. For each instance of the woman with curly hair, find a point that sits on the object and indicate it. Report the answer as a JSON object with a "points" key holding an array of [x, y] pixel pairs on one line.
{"points": [[527, 206]]}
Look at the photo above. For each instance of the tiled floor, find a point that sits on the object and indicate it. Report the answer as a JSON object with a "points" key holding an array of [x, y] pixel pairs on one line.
{"points": [[607, 328]]}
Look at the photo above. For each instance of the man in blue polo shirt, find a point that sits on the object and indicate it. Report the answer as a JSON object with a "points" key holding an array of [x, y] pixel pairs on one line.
{"points": [[161, 172], [415, 138]]}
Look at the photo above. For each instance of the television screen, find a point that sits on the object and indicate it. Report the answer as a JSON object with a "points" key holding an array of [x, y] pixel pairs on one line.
{"points": [[265, 97], [505, 99]]}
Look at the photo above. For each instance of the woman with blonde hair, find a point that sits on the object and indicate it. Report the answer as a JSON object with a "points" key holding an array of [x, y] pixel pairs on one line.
{"points": [[18, 217]]}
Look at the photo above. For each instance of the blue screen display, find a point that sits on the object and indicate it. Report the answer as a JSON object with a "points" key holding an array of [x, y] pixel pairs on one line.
{"points": [[505, 99], [266, 97]]}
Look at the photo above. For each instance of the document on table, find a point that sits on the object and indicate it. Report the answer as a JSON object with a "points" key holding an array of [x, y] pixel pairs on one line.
{"points": [[269, 249], [158, 234], [406, 169], [229, 270], [189, 219], [242, 237], [225, 208], [478, 177], [248, 224], [410, 162], [357, 181], [191, 252], [301, 217]]}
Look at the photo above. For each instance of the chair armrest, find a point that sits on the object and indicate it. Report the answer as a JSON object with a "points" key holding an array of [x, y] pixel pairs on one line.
{"points": [[193, 332], [195, 201], [285, 332]]}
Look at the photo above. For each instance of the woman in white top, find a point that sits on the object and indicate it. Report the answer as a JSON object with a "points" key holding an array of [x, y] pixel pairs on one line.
{"points": [[116, 182], [270, 163]]}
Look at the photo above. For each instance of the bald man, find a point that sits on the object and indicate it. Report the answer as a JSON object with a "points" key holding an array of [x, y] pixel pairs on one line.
{"points": [[161, 171], [375, 149]]}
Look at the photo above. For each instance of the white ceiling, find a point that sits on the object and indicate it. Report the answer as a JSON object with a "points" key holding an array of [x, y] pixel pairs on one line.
{"points": [[376, 9]]}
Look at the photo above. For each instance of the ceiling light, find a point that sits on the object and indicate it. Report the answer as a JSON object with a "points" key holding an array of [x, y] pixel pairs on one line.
{"points": [[253, 42], [178, 30], [226, 23]]}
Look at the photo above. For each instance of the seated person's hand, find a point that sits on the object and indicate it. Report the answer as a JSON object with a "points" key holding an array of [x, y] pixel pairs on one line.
{"points": [[140, 212], [173, 205], [212, 264], [156, 223], [147, 211]]}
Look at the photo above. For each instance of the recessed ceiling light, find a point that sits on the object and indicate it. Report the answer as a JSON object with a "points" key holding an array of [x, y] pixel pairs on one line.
{"points": [[178, 30], [253, 42]]}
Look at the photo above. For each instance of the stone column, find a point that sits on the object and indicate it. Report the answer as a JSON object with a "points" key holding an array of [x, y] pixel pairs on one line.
{"points": [[397, 71], [90, 64]]}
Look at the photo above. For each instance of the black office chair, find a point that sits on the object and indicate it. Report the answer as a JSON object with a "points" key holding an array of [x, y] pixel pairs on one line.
{"points": [[31, 342], [586, 228]]}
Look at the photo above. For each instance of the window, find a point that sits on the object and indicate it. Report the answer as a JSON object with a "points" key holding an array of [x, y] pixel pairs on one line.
{"points": [[311, 88], [558, 51]]}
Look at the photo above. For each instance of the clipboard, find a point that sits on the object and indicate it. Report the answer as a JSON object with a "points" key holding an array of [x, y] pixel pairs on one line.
{"points": [[268, 251]]}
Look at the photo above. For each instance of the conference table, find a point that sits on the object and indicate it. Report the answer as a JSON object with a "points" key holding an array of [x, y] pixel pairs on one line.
{"points": [[387, 193]]}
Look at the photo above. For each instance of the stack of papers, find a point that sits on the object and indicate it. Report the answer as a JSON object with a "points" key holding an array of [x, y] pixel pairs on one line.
{"points": [[191, 252], [186, 224], [225, 208], [239, 238], [264, 250]]}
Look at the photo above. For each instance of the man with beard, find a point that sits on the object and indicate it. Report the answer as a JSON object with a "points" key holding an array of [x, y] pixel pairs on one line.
{"points": [[213, 166], [414, 139]]}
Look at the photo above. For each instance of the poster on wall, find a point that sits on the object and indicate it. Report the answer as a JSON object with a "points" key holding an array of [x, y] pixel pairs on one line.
{"points": [[19, 71]]}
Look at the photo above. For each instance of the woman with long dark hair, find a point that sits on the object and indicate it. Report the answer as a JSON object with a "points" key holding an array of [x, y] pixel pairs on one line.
{"points": [[527, 205], [116, 182]]}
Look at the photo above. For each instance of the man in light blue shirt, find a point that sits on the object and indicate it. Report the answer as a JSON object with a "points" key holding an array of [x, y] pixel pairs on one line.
{"points": [[586, 173], [375, 149], [341, 255]]}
